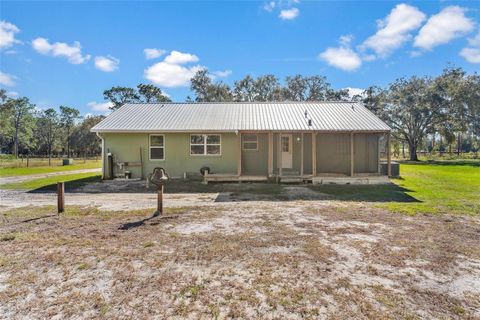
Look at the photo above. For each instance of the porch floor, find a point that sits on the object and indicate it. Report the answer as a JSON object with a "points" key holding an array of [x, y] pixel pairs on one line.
{"points": [[319, 179]]}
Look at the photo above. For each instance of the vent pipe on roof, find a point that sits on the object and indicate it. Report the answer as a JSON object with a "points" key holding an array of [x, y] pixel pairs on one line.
{"points": [[306, 114]]}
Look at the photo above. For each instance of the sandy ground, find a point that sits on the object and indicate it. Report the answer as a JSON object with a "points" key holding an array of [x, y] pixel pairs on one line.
{"points": [[15, 179], [289, 259]]}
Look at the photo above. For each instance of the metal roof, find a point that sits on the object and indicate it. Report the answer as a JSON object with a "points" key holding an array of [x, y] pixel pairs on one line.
{"points": [[238, 116]]}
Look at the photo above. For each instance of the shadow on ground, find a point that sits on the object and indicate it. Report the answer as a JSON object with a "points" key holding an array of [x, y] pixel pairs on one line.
{"points": [[231, 192]]}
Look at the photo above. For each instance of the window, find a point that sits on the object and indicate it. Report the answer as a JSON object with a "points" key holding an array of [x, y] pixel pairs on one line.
{"points": [[286, 144], [205, 144], [250, 142], [157, 147]]}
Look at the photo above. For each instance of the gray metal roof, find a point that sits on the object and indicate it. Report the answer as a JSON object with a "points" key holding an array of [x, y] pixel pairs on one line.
{"points": [[233, 116]]}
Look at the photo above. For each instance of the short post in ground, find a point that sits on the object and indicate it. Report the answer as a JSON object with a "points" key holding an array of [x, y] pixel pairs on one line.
{"points": [[159, 178], [61, 197]]}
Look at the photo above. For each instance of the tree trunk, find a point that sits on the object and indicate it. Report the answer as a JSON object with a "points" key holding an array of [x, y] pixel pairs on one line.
{"points": [[403, 149], [459, 144], [413, 151]]}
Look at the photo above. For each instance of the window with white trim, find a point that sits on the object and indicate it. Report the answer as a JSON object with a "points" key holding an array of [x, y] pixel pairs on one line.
{"points": [[205, 145], [250, 142], [157, 147]]}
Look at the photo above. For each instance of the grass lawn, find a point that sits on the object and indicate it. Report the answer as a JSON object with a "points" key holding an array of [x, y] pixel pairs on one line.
{"points": [[56, 167], [45, 184]]}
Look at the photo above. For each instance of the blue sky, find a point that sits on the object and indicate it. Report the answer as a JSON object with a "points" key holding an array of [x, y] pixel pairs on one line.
{"points": [[67, 53]]}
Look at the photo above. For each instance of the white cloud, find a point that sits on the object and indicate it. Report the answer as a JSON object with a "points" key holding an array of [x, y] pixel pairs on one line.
{"points": [[394, 30], [7, 79], [472, 52], [7, 34], [222, 74], [170, 75], [269, 6], [60, 49], [100, 107], [152, 53], [441, 28], [355, 91], [289, 14], [342, 58], [106, 64], [176, 57]]}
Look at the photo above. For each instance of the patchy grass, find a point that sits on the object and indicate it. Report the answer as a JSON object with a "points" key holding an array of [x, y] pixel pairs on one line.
{"points": [[50, 183], [6, 171], [296, 259]]}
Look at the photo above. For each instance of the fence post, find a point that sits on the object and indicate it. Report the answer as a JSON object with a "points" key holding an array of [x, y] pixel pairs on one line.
{"points": [[61, 197], [160, 200]]}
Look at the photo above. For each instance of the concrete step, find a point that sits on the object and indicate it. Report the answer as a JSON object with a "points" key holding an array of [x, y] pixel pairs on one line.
{"points": [[291, 180]]}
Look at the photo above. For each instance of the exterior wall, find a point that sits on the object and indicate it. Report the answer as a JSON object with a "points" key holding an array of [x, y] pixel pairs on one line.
{"points": [[333, 153], [307, 156], [365, 153], [255, 162], [126, 147]]}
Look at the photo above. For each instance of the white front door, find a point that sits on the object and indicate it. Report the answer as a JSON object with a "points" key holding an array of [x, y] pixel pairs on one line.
{"points": [[286, 144]]}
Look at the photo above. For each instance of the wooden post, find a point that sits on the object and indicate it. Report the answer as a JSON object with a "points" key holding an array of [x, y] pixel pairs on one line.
{"points": [[61, 197], [314, 154], [270, 154], [28, 161], [389, 158], [280, 171], [239, 159], [160, 200], [301, 154], [141, 164], [352, 157]]}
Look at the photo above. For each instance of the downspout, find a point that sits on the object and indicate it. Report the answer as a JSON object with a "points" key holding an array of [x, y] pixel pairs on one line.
{"points": [[103, 155]]}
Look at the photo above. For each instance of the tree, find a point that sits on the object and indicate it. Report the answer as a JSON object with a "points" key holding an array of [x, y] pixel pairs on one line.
{"points": [[84, 139], [207, 91], [267, 88], [149, 93], [68, 117], [412, 108], [120, 95], [48, 131], [244, 90], [21, 119]]}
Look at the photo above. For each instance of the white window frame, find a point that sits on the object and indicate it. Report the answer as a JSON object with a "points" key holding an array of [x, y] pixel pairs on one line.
{"points": [[205, 144], [155, 147], [243, 141]]}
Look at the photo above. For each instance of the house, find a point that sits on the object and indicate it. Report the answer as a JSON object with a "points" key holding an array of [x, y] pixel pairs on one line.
{"points": [[321, 142]]}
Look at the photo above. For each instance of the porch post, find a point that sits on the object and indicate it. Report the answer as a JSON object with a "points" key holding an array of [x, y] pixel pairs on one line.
{"points": [[352, 159], [389, 157], [270, 154], [301, 155], [280, 171], [314, 154], [239, 159]]}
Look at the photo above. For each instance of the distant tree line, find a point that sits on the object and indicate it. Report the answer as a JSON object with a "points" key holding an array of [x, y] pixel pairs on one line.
{"points": [[26, 130]]}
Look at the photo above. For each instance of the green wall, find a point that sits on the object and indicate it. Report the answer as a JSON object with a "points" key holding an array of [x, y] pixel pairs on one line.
{"points": [[126, 147], [255, 162]]}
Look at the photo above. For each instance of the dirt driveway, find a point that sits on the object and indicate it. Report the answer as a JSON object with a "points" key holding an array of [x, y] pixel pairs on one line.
{"points": [[255, 259]]}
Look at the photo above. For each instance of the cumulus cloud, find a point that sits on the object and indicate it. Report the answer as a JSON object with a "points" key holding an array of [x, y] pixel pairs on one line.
{"points": [[342, 57], [106, 64], [100, 107], [7, 79], [441, 28], [73, 53], [7, 34], [355, 92], [289, 14], [394, 30], [176, 57], [269, 6], [170, 75], [152, 53], [471, 53]]}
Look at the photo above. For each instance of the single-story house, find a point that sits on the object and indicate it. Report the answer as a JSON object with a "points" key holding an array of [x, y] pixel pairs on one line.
{"points": [[245, 141]]}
